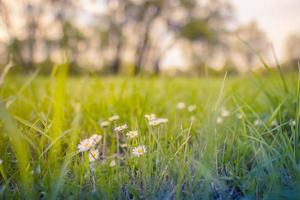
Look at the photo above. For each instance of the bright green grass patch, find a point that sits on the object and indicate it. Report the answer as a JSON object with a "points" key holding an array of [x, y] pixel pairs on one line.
{"points": [[242, 140]]}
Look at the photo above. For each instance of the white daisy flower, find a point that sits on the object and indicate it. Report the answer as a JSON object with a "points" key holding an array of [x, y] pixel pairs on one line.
{"points": [[150, 117], [192, 108], [95, 139], [139, 150], [84, 145], [104, 124], [121, 128], [225, 113], [220, 120], [193, 118], [154, 122], [257, 122], [1, 161], [274, 123], [239, 116], [180, 106], [114, 118], [132, 134], [93, 155], [293, 122], [112, 163], [158, 121], [76, 106]]}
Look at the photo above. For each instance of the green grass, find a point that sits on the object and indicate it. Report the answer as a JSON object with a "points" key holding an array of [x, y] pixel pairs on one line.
{"points": [[43, 120]]}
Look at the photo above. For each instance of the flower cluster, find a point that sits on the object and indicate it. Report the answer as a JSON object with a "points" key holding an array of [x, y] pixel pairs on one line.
{"points": [[153, 121], [150, 117], [182, 105], [121, 128], [158, 121], [224, 113], [123, 143], [137, 151], [95, 139], [114, 118], [107, 123], [104, 124], [192, 108], [88, 145], [132, 134]]}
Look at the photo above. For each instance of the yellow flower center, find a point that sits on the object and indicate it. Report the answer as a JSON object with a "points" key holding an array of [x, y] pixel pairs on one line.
{"points": [[140, 150]]}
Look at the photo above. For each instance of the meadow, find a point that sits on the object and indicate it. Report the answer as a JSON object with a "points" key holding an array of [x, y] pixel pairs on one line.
{"points": [[93, 137]]}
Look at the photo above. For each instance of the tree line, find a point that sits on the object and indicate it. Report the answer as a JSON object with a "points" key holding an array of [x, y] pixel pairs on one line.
{"points": [[123, 35]]}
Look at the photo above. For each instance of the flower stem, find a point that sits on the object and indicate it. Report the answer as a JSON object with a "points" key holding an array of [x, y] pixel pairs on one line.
{"points": [[104, 144], [92, 178], [117, 139]]}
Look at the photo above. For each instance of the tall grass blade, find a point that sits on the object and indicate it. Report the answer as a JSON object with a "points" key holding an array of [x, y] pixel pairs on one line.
{"points": [[20, 149]]}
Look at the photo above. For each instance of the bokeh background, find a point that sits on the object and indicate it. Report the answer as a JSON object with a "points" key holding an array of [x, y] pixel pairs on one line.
{"points": [[162, 37]]}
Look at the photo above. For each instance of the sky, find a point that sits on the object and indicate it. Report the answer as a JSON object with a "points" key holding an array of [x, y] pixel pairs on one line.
{"points": [[278, 18]]}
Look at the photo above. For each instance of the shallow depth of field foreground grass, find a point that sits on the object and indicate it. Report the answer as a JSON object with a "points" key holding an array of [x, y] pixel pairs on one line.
{"points": [[239, 139]]}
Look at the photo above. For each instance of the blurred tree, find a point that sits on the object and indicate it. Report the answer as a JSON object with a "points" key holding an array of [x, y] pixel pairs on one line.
{"points": [[173, 14], [70, 39], [22, 49], [256, 41], [114, 35], [198, 30], [35, 17], [14, 48], [133, 14], [32, 13], [160, 53], [292, 47], [5, 18], [292, 51], [142, 31], [205, 30], [71, 35], [148, 12], [119, 16], [197, 21]]}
